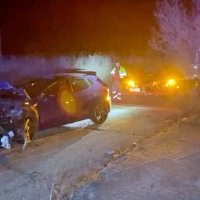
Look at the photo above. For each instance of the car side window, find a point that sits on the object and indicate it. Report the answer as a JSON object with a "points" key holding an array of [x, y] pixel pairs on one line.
{"points": [[90, 81], [79, 84], [35, 87], [56, 87]]}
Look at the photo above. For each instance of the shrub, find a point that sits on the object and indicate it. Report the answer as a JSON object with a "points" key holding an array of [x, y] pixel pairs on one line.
{"points": [[14, 69], [101, 64]]}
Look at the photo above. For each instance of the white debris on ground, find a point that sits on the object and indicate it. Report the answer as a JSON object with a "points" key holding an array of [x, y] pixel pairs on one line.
{"points": [[5, 138]]}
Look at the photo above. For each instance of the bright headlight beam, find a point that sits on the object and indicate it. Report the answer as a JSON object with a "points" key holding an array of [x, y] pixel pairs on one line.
{"points": [[131, 83], [171, 82]]}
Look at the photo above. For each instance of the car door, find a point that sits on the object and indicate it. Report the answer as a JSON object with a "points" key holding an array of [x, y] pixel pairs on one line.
{"points": [[51, 105], [82, 94]]}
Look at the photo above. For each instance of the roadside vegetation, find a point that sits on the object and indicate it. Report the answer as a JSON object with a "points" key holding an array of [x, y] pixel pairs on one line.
{"points": [[15, 69]]}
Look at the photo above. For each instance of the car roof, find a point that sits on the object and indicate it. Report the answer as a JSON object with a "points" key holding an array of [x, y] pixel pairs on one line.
{"points": [[68, 74], [78, 70]]}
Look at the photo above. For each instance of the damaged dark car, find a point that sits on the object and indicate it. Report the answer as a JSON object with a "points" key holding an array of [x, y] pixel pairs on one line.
{"points": [[56, 100], [66, 98], [18, 115]]}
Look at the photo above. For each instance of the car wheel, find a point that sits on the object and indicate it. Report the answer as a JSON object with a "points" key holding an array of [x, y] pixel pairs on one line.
{"points": [[99, 113]]}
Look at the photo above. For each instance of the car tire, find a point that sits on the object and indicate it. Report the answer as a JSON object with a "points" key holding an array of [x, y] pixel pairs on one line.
{"points": [[99, 113]]}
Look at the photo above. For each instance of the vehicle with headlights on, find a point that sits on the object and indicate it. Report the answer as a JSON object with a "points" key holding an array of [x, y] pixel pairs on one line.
{"points": [[130, 85], [68, 97], [164, 83], [160, 86]]}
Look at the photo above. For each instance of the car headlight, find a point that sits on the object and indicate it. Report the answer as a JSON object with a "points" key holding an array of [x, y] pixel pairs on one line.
{"points": [[131, 83], [170, 82]]}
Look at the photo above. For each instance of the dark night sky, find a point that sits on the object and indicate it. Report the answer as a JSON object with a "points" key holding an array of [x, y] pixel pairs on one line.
{"points": [[54, 27]]}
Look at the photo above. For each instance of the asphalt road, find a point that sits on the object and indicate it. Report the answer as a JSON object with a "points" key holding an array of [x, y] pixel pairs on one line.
{"points": [[60, 159]]}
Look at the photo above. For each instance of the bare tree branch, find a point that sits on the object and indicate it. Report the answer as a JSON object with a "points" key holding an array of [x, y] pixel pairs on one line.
{"points": [[173, 22], [178, 29], [197, 4]]}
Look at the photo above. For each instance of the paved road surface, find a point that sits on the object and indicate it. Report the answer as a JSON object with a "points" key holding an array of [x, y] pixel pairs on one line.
{"points": [[61, 159]]}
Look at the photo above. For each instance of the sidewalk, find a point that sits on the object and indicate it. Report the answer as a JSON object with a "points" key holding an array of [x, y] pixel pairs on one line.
{"points": [[166, 166]]}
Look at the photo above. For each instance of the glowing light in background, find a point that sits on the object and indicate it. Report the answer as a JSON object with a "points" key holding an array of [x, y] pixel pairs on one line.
{"points": [[131, 83], [170, 82]]}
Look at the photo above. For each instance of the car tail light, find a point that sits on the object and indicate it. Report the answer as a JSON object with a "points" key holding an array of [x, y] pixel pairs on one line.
{"points": [[106, 91]]}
